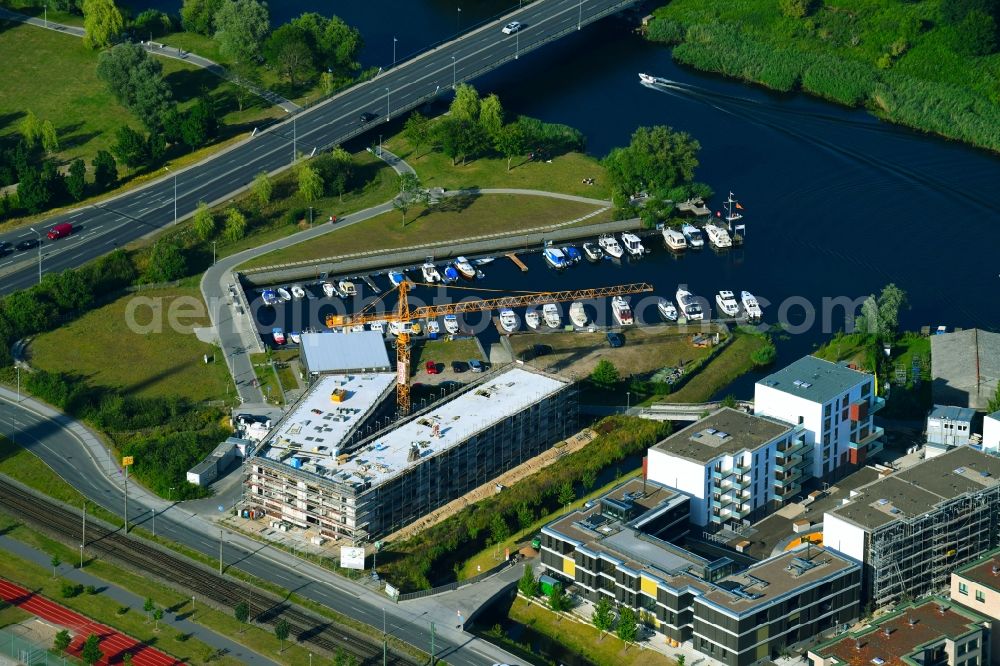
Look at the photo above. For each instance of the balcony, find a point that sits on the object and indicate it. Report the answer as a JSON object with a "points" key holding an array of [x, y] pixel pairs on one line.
{"points": [[721, 473], [722, 502], [786, 463], [877, 404], [792, 446], [788, 477], [741, 512], [875, 434], [786, 493]]}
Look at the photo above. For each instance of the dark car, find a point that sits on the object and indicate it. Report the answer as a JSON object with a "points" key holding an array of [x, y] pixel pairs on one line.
{"points": [[459, 366], [27, 244], [615, 339], [4, 245], [367, 117]]}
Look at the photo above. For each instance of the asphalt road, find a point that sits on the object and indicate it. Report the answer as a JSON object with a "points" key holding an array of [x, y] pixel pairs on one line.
{"points": [[102, 227]]}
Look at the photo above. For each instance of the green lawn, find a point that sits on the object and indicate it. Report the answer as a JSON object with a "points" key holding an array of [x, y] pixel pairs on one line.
{"points": [[32, 8], [453, 219], [443, 351], [166, 360], [719, 372], [267, 378]]}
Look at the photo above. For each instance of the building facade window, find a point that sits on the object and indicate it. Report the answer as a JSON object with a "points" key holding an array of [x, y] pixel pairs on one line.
{"points": [[963, 589], [980, 596]]}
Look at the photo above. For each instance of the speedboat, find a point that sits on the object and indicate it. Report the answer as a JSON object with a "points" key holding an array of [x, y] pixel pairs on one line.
{"points": [[278, 336], [578, 314], [451, 323], [693, 236], [269, 297], [727, 303], [465, 268], [450, 274], [621, 311], [550, 312], [593, 251], [532, 319], [509, 320], [718, 236], [555, 257], [482, 261], [610, 246], [295, 337], [667, 309], [347, 288], [298, 291], [632, 244], [688, 305], [674, 239], [572, 254], [397, 278], [431, 273], [377, 326], [433, 328], [283, 294], [647, 79], [751, 305], [329, 290]]}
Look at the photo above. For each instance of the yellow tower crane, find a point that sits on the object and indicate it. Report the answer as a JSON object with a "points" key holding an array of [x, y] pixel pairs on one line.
{"points": [[404, 314]]}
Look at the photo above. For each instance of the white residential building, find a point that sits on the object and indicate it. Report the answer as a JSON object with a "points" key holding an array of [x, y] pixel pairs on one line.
{"points": [[735, 467], [991, 433], [834, 405]]}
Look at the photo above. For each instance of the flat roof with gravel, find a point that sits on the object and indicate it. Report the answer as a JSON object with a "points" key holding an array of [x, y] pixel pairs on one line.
{"points": [[815, 379], [724, 432]]}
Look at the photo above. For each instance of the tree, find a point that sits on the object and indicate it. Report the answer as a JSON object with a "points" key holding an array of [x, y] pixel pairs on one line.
{"points": [[628, 628], [152, 23], [603, 616], [657, 158], [166, 263], [157, 616], [200, 123], [91, 652], [33, 191], [680, 659], [605, 374], [976, 34], [511, 141], [199, 16], [62, 640], [102, 23], [31, 129], [466, 104], [566, 493], [472, 139], [417, 130], [955, 11], [204, 221], [55, 562], [76, 182], [796, 8], [491, 116], [499, 530], [105, 170], [281, 631], [525, 515], [50, 138], [880, 315], [528, 585], [409, 194], [289, 51], [262, 189], [241, 26], [69, 290], [589, 478], [149, 606], [236, 225], [994, 403], [557, 598], [310, 183], [334, 43], [135, 78], [765, 355], [130, 147], [242, 613], [246, 81], [339, 167]]}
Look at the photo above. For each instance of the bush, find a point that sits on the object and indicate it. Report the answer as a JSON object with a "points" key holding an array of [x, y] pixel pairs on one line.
{"points": [[665, 31], [841, 80], [295, 215], [765, 355], [70, 590]]}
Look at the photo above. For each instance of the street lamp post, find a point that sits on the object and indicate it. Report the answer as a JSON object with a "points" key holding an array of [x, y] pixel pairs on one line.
{"points": [[454, 75], [579, 21], [18, 368], [295, 139], [175, 191], [628, 401], [39, 234], [220, 552], [458, 19], [394, 40], [387, 104], [213, 252], [517, 44], [384, 639], [153, 510]]}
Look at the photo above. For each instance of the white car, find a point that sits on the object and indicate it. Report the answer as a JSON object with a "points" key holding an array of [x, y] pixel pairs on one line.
{"points": [[511, 28]]}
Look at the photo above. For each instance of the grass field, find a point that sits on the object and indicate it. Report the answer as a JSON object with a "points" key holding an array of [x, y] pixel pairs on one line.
{"points": [[453, 219], [729, 364], [168, 361], [443, 351]]}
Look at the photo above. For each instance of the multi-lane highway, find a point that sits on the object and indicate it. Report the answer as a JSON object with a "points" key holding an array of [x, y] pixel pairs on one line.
{"points": [[102, 227]]}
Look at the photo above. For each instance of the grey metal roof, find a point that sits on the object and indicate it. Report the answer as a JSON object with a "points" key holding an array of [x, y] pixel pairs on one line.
{"points": [[815, 379], [344, 352], [724, 432], [951, 413], [965, 366]]}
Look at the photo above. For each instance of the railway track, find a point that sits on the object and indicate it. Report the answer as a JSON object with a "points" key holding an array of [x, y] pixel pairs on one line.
{"points": [[191, 576]]}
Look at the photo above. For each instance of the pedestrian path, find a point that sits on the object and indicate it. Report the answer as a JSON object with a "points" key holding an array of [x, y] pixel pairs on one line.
{"points": [[165, 51]]}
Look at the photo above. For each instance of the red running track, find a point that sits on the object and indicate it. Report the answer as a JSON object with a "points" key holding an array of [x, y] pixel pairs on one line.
{"points": [[113, 644]]}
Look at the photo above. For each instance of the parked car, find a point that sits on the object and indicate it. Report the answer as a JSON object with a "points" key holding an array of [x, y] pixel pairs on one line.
{"points": [[459, 366], [432, 368], [512, 27], [615, 339], [476, 365]]}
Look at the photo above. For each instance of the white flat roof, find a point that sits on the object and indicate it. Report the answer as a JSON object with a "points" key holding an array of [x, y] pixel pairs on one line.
{"points": [[316, 426], [361, 351], [457, 419]]}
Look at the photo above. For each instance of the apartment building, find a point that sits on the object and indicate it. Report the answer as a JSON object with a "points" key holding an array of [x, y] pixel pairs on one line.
{"points": [[928, 632], [977, 587], [911, 529], [834, 405], [621, 548], [991, 433], [948, 427], [735, 467]]}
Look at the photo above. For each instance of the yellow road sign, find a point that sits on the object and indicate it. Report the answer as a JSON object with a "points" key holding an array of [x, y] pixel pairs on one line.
{"points": [[126, 461]]}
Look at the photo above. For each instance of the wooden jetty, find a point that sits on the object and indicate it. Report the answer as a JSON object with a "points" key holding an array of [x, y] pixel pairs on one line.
{"points": [[371, 284], [517, 262]]}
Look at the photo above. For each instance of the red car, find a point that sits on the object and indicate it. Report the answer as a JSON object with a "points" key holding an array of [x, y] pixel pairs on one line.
{"points": [[432, 368]]}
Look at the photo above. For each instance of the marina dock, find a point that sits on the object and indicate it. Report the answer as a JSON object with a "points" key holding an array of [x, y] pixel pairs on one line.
{"points": [[695, 206], [371, 284], [517, 262]]}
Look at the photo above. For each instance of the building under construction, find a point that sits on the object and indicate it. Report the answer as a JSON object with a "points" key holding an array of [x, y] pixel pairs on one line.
{"points": [[306, 475], [911, 529]]}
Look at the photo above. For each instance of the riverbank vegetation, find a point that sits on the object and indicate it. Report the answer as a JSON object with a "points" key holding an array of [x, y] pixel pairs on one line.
{"points": [[930, 65]]}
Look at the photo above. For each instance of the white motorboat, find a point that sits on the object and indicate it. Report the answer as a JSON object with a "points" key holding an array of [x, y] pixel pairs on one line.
{"points": [[532, 319], [647, 79], [433, 328], [727, 303], [555, 257], [578, 314], [431, 274], [550, 312], [451, 323], [621, 311], [295, 337], [465, 268], [347, 288], [509, 320], [667, 309], [632, 244], [377, 326], [751, 305], [718, 236], [396, 278], [329, 290], [593, 252], [688, 305], [693, 236], [357, 328], [609, 244], [482, 261], [737, 229], [269, 297], [283, 294], [674, 239], [298, 291], [572, 254]]}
